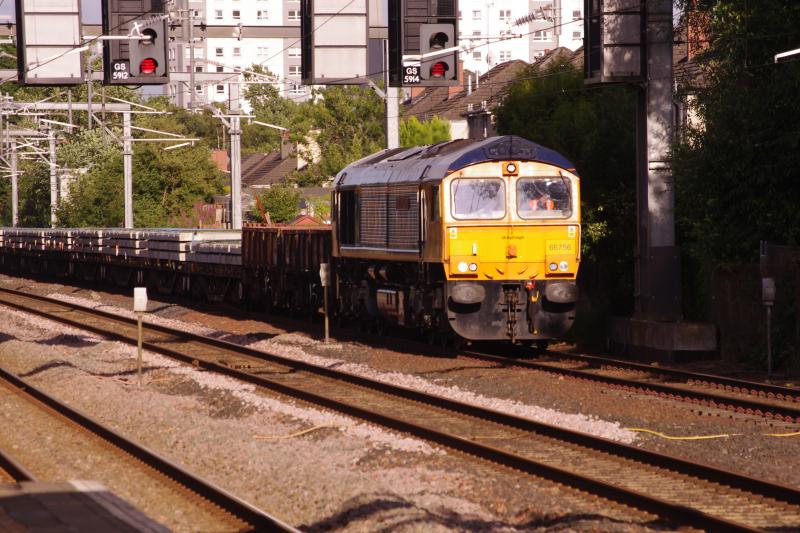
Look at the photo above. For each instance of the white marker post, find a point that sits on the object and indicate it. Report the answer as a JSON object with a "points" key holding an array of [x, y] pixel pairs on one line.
{"points": [[140, 307], [324, 278]]}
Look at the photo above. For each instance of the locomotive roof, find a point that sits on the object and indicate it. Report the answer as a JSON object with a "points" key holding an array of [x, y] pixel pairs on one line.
{"points": [[434, 162]]}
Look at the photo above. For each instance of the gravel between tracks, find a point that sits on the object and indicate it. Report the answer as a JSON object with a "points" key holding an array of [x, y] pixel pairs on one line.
{"points": [[291, 346], [350, 476]]}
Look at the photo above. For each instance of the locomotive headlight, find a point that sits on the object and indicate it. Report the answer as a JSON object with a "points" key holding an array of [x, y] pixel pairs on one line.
{"points": [[563, 266], [553, 267], [473, 267], [462, 267]]}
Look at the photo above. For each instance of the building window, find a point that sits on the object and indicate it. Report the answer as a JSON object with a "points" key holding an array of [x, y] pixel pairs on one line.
{"points": [[476, 55], [505, 14], [237, 51], [505, 55], [262, 14], [541, 35], [294, 70], [220, 69], [220, 89], [237, 14], [297, 89], [198, 89], [218, 14], [219, 52], [294, 52], [294, 14], [576, 35], [476, 15], [262, 51], [196, 13], [576, 14], [198, 69], [476, 33]]}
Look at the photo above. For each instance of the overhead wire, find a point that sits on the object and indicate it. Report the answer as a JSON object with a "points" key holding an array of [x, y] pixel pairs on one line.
{"points": [[488, 42]]}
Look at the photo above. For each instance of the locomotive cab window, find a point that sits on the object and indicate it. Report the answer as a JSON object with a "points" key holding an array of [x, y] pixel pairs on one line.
{"points": [[544, 197], [348, 217], [434, 205], [478, 199]]}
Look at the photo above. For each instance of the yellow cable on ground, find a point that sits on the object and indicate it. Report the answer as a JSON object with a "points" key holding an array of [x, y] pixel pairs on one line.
{"points": [[695, 437], [709, 437], [292, 435], [795, 434]]}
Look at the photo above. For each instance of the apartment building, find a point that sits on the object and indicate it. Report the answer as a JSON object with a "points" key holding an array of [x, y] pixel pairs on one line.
{"points": [[554, 24], [497, 31], [236, 35]]}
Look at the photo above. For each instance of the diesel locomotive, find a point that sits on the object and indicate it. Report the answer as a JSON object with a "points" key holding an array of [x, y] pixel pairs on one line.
{"points": [[463, 239]]}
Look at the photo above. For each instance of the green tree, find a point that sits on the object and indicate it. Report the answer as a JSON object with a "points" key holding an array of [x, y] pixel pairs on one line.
{"points": [[34, 194], [737, 166], [416, 133], [271, 107], [166, 184], [282, 202], [347, 123]]}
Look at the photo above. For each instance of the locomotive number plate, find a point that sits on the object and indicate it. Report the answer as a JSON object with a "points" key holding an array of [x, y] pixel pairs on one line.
{"points": [[560, 247]]}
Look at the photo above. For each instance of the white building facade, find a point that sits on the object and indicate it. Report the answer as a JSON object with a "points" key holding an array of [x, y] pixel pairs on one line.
{"points": [[268, 37], [493, 33]]}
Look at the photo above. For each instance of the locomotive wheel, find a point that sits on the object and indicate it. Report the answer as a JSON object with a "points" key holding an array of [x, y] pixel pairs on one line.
{"points": [[541, 345], [430, 337]]}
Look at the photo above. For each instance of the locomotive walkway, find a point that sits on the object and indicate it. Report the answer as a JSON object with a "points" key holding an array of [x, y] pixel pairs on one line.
{"points": [[652, 485]]}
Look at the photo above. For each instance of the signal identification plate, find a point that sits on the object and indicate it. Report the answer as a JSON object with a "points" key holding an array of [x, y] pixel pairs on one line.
{"points": [[411, 76]]}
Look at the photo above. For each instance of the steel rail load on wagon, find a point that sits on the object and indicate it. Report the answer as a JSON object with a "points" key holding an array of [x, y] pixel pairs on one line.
{"points": [[462, 240]]}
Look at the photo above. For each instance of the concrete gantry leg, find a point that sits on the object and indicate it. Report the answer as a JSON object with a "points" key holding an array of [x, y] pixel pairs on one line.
{"points": [[656, 331]]}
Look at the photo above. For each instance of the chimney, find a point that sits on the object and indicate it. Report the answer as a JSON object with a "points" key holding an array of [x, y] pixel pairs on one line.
{"points": [[455, 89], [286, 146]]}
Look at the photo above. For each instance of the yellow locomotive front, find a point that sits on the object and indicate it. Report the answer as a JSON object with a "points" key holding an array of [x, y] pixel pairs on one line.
{"points": [[510, 249], [477, 240]]}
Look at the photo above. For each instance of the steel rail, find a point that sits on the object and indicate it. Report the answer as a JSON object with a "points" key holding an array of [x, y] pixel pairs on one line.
{"points": [[746, 386], [750, 406], [260, 520], [678, 513], [14, 469]]}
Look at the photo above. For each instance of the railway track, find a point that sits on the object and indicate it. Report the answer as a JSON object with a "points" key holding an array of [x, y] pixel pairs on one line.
{"points": [[12, 471], [657, 485], [228, 512], [746, 397]]}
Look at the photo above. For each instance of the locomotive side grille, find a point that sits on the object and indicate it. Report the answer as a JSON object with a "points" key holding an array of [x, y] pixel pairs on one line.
{"points": [[372, 220], [389, 217], [403, 218]]}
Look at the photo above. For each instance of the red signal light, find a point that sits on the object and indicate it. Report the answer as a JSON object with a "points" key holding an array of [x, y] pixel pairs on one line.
{"points": [[148, 66], [439, 69]]}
